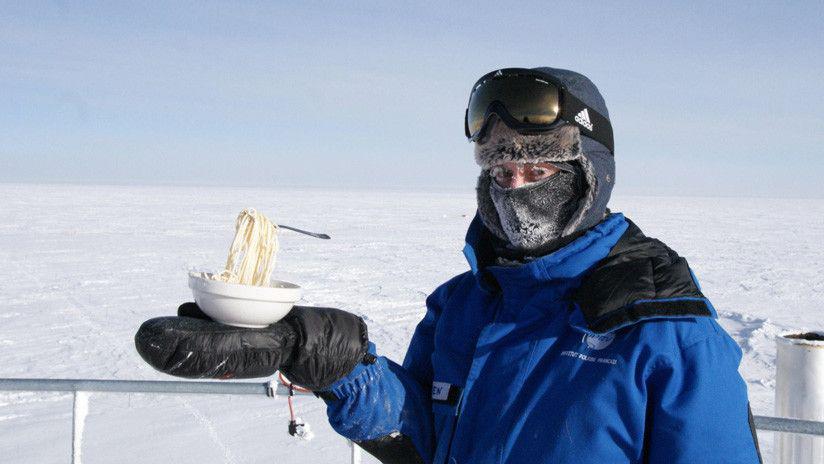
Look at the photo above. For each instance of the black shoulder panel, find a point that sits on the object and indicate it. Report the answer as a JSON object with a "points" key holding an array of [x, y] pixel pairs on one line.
{"points": [[640, 278], [395, 448]]}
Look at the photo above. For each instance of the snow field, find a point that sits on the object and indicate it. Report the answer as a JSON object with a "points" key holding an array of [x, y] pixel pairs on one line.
{"points": [[83, 266]]}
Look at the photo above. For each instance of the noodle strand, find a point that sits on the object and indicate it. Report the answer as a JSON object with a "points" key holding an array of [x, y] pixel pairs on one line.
{"points": [[251, 258]]}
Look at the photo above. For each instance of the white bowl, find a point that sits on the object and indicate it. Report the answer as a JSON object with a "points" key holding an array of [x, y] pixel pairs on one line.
{"points": [[243, 305]]}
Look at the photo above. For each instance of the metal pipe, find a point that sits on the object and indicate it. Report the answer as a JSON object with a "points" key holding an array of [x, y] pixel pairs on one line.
{"points": [[781, 424], [81, 387], [80, 409], [799, 393], [75, 444], [146, 386], [775, 424], [354, 453]]}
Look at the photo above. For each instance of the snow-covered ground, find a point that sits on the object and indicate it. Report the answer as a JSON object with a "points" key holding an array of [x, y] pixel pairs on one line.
{"points": [[82, 266]]}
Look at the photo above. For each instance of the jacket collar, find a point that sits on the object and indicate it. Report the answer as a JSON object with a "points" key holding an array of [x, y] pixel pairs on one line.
{"points": [[640, 279], [567, 262]]}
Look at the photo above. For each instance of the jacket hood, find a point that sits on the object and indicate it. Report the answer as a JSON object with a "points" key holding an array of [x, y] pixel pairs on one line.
{"points": [[596, 160]]}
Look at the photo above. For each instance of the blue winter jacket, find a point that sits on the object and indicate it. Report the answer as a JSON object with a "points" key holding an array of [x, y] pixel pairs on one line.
{"points": [[599, 352]]}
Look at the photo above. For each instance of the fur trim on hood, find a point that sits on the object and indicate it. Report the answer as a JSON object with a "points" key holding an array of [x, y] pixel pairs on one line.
{"points": [[504, 144]]}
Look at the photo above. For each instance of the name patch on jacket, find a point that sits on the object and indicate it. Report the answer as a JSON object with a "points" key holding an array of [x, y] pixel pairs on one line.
{"points": [[445, 393]]}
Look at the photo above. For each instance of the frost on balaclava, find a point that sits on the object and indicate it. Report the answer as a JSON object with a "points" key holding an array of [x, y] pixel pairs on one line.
{"points": [[534, 214], [529, 217]]}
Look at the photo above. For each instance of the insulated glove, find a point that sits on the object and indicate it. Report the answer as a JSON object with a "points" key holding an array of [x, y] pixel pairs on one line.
{"points": [[312, 346]]}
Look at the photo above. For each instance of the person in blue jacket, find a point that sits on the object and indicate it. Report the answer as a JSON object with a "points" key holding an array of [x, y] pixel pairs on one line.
{"points": [[572, 338]]}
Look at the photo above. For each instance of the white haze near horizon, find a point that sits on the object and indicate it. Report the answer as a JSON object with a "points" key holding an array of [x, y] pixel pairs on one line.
{"points": [[83, 266]]}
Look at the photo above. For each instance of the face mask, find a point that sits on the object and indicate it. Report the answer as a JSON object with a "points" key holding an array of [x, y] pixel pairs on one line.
{"points": [[530, 216]]}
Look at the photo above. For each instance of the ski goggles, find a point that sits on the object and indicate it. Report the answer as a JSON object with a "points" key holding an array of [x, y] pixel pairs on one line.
{"points": [[531, 102]]}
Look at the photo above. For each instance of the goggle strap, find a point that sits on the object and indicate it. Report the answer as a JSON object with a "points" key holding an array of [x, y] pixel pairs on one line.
{"points": [[591, 123]]}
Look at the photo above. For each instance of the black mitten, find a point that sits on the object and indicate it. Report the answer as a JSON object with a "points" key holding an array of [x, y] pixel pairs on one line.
{"points": [[194, 346], [314, 347], [191, 309], [329, 344]]}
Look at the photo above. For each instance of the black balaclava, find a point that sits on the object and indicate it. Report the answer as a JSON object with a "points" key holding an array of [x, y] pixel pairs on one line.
{"points": [[532, 217]]}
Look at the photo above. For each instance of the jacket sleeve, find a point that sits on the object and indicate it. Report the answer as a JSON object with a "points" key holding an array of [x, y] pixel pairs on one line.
{"points": [[698, 409], [385, 407]]}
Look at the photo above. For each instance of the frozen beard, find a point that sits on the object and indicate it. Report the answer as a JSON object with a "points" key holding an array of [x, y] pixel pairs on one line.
{"points": [[531, 216]]}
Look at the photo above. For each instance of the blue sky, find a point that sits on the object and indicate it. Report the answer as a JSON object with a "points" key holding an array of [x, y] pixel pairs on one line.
{"points": [[706, 98]]}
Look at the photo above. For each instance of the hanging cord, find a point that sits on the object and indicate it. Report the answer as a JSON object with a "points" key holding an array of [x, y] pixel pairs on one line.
{"points": [[297, 428]]}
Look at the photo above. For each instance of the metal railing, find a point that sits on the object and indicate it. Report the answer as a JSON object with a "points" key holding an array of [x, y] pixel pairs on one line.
{"points": [[270, 389], [81, 387], [781, 424]]}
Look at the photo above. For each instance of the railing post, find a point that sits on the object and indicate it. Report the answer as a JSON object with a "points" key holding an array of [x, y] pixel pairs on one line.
{"points": [[356, 453], [75, 446], [80, 409]]}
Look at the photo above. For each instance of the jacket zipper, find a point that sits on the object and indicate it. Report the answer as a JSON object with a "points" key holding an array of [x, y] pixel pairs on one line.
{"points": [[464, 391], [458, 406]]}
